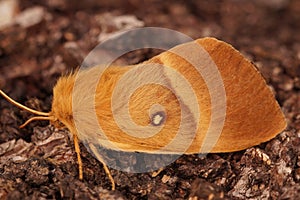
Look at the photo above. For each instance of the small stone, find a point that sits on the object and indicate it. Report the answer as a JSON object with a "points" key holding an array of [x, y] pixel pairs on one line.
{"points": [[30, 16]]}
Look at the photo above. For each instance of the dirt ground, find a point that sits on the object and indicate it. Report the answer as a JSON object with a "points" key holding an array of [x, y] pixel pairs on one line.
{"points": [[39, 162]]}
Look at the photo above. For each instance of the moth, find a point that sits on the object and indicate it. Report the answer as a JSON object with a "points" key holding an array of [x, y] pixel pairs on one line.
{"points": [[166, 97]]}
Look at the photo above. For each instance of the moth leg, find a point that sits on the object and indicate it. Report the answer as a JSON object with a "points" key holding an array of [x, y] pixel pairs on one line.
{"points": [[113, 185], [156, 173], [77, 150], [99, 157]]}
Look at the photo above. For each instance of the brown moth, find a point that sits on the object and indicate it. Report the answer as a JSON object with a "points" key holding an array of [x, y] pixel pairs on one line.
{"points": [[250, 113]]}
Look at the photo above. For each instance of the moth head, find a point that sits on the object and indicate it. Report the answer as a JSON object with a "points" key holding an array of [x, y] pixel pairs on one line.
{"points": [[62, 102], [61, 114]]}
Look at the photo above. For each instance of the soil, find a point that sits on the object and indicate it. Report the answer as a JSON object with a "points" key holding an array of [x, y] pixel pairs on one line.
{"points": [[39, 162]]}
